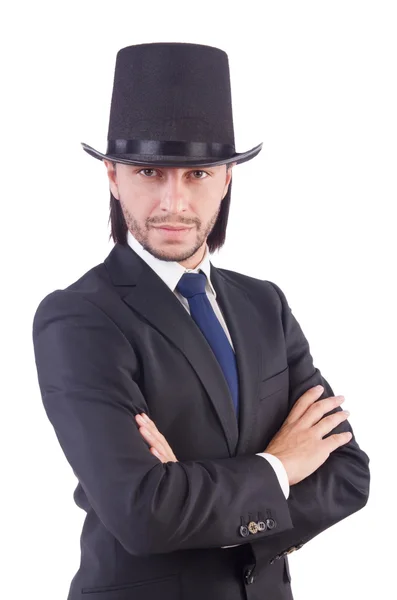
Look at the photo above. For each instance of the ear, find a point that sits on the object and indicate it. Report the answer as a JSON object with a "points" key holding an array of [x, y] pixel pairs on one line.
{"points": [[112, 175]]}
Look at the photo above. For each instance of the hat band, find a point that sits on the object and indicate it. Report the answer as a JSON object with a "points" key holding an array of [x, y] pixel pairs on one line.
{"points": [[171, 148]]}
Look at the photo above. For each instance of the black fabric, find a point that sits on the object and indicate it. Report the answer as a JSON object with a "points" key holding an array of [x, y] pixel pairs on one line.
{"points": [[118, 342], [175, 91], [186, 149], [176, 94]]}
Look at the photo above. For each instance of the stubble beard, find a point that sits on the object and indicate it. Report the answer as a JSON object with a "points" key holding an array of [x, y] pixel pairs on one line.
{"points": [[141, 233]]}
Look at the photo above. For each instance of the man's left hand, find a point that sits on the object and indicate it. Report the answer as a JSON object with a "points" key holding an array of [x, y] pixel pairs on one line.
{"points": [[158, 444]]}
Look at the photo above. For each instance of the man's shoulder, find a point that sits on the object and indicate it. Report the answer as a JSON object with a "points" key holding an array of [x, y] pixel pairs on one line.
{"points": [[89, 287]]}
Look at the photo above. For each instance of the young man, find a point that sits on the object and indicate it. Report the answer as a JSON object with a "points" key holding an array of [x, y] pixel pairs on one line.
{"points": [[243, 458]]}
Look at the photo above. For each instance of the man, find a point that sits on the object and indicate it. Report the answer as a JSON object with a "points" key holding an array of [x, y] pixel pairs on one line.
{"points": [[243, 458]]}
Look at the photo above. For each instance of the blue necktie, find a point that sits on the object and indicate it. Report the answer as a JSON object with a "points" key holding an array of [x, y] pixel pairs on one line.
{"points": [[192, 287]]}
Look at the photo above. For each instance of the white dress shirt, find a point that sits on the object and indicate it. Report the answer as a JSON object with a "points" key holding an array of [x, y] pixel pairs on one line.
{"points": [[171, 272]]}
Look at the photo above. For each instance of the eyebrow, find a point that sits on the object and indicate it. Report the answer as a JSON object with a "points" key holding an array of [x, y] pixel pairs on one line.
{"points": [[194, 168]]}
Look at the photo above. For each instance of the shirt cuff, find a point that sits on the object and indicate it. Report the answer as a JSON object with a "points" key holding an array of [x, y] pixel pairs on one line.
{"points": [[279, 470]]}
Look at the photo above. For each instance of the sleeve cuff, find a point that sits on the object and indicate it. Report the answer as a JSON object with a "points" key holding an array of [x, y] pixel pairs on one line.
{"points": [[279, 470]]}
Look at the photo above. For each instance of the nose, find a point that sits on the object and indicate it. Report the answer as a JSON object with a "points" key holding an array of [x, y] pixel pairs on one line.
{"points": [[173, 195]]}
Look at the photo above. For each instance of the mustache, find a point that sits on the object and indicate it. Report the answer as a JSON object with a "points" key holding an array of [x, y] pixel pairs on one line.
{"points": [[171, 222]]}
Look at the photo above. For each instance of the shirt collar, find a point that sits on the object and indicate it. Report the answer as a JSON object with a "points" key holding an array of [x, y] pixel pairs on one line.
{"points": [[170, 271]]}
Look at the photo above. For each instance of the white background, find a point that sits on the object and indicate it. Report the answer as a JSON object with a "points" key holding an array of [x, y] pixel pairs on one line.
{"points": [[313, 212]]}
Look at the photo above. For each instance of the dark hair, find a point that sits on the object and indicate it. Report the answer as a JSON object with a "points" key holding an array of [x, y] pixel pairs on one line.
{"points": [[215, 240]]}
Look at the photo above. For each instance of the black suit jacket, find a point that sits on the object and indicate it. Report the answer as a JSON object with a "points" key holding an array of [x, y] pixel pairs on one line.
{"points": [[118, 342]]}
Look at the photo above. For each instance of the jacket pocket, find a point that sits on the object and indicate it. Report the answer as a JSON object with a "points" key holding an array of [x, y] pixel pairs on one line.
{"points": [[273, 384], [166, 588]]}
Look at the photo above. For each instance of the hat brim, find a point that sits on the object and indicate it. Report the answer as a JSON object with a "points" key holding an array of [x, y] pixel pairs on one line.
{"points": [[173, 161]]}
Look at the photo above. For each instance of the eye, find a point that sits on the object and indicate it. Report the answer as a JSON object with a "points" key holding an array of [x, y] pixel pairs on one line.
{"points": [[154, 171], [197, 171], [142, 170]]}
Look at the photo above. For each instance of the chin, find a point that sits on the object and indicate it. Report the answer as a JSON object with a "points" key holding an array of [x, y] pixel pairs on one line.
{"points": [[172, 252]]}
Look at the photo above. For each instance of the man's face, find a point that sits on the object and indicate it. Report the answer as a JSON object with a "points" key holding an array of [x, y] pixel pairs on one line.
{"points": [[153, 197]]}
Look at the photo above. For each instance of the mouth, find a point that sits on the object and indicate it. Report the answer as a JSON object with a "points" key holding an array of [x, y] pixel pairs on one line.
{"points": [[173, 232]]}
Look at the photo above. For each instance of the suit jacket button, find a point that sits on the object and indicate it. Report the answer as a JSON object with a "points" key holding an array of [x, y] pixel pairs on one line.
{"points": [[270, 523], [261, 525], [253, 527], [244, 531]]}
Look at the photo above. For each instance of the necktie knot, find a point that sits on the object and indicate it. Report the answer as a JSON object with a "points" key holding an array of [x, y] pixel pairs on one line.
{"points": [[191, 284]]}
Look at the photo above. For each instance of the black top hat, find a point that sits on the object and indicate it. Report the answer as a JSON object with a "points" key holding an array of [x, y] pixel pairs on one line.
{"points": [[171, 106]]}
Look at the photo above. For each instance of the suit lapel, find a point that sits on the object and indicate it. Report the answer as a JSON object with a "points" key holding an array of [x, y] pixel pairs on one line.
{"points": [[145, 292]]}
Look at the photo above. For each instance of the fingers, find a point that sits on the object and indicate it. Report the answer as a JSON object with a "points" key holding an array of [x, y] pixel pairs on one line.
{"points": [[153, 442], [158, 455], [317, 410], [338, 439], [156, 440], [303, 403], [149, 427], [329, 423], [150, 432]]}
